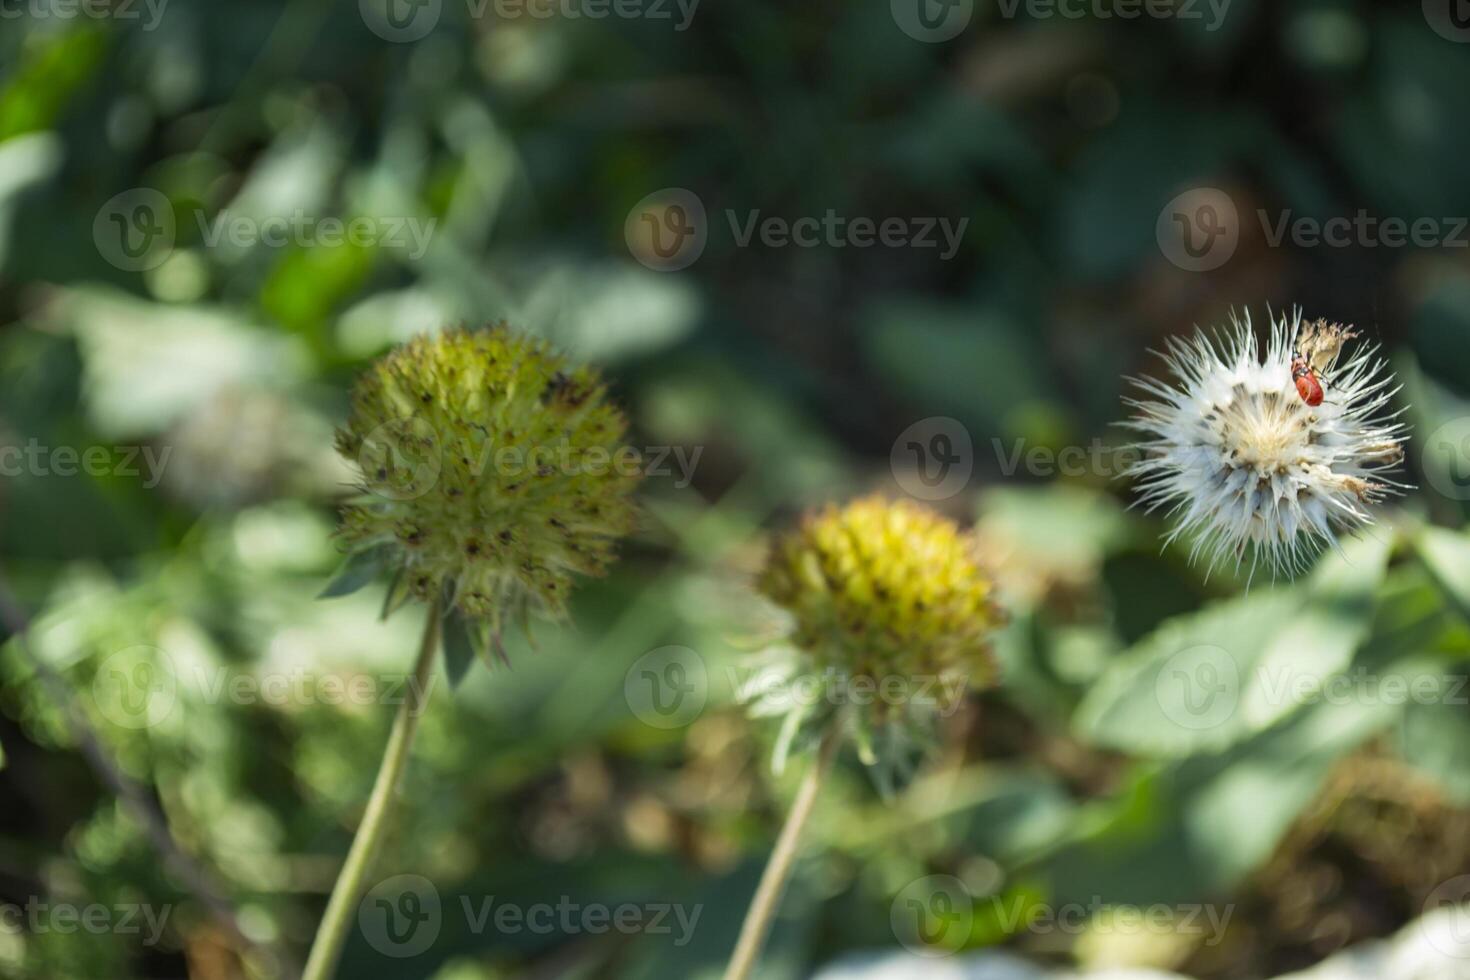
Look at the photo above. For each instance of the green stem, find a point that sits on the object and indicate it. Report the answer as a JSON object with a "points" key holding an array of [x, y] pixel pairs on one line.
{"points": [[773, 880], [342, 906]]}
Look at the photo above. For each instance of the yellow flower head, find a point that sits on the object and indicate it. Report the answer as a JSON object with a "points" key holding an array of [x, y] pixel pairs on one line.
{"points": [[492, 472], [883, 588]]}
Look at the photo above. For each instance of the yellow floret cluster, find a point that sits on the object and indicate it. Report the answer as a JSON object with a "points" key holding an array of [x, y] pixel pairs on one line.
{"points": [[880, 587]]}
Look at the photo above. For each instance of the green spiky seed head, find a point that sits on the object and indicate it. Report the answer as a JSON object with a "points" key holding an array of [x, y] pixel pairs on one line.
{"points": [[493, 471], [891, 615], [881, 586]]}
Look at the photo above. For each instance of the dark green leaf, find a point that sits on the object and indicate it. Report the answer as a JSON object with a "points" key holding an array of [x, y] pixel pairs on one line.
{"points": [[459, 648], [357, 571]]}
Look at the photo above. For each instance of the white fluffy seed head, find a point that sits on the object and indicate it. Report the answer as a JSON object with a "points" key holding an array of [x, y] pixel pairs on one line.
{"points": [[1244, 464]]}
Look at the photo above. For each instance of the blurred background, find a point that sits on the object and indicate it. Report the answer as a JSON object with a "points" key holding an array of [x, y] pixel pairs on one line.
{"points": [[820, 250]]}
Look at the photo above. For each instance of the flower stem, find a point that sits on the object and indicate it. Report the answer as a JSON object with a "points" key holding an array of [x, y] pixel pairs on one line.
{"points": [[773, 880], [342, 906]]}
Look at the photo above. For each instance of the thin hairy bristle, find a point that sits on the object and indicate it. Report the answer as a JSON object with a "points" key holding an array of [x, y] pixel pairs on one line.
{"points": [[1243, 464]]}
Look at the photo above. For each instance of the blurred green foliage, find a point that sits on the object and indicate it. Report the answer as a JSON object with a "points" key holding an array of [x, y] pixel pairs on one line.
{"points": [[785, 374]]}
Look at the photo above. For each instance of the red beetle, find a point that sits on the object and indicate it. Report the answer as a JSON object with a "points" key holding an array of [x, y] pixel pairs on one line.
{"points": [[1305, 376]]}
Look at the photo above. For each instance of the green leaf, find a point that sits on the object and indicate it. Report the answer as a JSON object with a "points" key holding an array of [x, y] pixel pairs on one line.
{"points": [[1435, 739], [357, 571], [1202, 682], [459, 648], [1446, 554]]}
